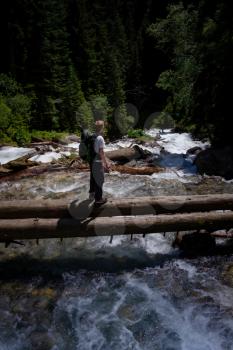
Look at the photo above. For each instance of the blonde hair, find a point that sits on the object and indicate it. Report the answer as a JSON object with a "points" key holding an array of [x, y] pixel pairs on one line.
{"points": [[99, 125]]}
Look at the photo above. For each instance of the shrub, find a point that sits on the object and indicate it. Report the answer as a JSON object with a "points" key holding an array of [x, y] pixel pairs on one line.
{"points": [[136, 133]]}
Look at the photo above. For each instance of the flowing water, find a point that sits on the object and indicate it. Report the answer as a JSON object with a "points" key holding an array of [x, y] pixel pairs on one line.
{"points": [[138, 293]]}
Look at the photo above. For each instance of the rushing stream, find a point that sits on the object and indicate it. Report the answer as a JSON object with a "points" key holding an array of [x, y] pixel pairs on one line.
{"points": [[138, 294]]}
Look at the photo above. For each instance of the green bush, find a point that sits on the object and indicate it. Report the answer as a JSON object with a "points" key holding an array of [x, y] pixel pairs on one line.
{"points": [[48, 135], [15, 112], [136, 133]]}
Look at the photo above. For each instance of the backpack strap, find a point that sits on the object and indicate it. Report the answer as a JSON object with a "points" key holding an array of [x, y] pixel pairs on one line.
{"points": [[93, 154]]}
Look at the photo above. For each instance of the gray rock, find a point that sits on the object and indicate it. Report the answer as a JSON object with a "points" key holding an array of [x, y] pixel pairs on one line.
{"points": [[197, 243], [41, 341], [194, 150], [217, 162]]}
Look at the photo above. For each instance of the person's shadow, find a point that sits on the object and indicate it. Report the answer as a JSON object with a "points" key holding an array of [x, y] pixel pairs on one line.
{"points": [[81, 210]]}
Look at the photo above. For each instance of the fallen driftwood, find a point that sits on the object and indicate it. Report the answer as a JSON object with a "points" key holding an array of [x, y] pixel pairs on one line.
{"points": [[124, 169], [118, 206], [29, 170], [103, 226], [220, 234], [18, 168], [19, 164], [4, 170], [125, 155], [44, 143]]}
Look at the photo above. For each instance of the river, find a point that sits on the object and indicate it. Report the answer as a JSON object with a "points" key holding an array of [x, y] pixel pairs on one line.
{"points": [[139, 293]]}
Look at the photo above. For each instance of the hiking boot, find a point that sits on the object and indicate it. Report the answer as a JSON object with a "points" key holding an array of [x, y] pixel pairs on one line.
{"points": [[101, 201], [91, 196]]}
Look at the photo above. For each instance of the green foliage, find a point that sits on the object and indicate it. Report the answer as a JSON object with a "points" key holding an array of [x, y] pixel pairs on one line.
{"points": [[176, 35], [101, 109], [136, 133], [198, 43], [48, 135], [9, 86], [15, 112], [126, 117], [5, 115], [78, 61], [96, 108], [84, 116], [162, 121], [209, 28]]}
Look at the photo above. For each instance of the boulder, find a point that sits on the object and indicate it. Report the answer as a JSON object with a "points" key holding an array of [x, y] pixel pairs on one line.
{"points": [[196, 243], [194, 150], [218, 162]]}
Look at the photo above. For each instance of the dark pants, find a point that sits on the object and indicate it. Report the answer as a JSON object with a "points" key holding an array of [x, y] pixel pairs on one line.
{"points": [[96, 179]]}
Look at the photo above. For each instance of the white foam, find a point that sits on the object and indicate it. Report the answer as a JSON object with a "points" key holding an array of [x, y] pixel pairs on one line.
{"points": [[179, 143], [171, 175], [125, 143], [153, 132], [153, 150], [65, 153], [183, 265], [63, 188], [8, 153], [111, 147], [74, 145], [47, 157]]}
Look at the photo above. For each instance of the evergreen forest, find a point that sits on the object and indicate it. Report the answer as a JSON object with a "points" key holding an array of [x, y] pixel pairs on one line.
{"points": [[66, 63]]}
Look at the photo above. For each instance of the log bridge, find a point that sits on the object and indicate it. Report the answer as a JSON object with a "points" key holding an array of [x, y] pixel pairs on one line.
{"points": [[38, 219]]}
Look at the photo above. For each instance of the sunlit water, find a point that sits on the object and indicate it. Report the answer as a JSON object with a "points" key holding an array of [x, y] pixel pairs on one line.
{"points": [[138, 293]]}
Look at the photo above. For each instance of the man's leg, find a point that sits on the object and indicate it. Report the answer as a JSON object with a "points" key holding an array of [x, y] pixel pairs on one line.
{"points": [[92, 183], [98, 173]]}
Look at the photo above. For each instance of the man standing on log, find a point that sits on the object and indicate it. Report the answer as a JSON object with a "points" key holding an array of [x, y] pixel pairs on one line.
{"points": [[98, 165]]}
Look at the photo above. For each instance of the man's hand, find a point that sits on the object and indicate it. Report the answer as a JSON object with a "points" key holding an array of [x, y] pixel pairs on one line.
{"points": [[107, 168], [105, 163]]}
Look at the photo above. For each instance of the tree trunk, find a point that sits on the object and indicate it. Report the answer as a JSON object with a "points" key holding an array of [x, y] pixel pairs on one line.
{"points": [[146, 170], [125, 155], [118, 206], [54, 228]]}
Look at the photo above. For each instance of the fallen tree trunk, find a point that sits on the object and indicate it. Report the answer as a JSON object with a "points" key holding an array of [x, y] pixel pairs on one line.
{"points": [[124, 169], [125, 155], [44, 143], [12, 175], [20, 163], [55, 228], [30, 172], [4, 170], [222, 234], [117, 206]]}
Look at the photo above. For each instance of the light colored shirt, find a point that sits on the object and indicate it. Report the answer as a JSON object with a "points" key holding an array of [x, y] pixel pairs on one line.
{"points": [[99, 143]]}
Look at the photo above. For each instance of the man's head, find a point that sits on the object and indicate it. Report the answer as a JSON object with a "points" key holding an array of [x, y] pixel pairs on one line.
{"points": [[99, 126]]}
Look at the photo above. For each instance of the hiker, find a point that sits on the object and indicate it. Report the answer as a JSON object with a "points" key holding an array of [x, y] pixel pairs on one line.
{"points": [[98, 165]]}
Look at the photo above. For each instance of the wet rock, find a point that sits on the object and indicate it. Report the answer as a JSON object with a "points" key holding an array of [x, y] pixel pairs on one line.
{"points": [[127, 312], [228, 275], [41, 341], [132, 163], [194, 150], [196, 243], [217, 162]]}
